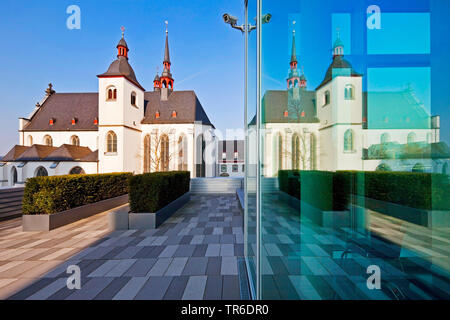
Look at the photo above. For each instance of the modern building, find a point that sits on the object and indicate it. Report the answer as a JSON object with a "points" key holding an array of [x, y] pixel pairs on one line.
{"points": [[120, 128], [326, 130], [230, 158]]}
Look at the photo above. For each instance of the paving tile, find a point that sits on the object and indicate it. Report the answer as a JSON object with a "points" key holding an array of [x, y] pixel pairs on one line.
{"points": [[168, 251], [229, 266], [140, 268], [197, 239], [176, 266], [195, 266], [184, 250], [230, 288], [213, 289], [131, 288], [212, 250], [104, 268], [226, 250], [176, 288], [154, 289], [214, 266], [47, 291], [112, 289], [195, 288], [160, 267], [120, 268]]}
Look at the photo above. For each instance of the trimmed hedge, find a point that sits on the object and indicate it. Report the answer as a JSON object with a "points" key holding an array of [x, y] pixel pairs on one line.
{"points": [[332, 190], [48, 195], [150, 192]]}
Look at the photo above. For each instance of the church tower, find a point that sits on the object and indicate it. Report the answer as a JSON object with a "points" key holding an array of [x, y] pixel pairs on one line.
{"points": [[166, 79], [120, 112], [294, 79]]}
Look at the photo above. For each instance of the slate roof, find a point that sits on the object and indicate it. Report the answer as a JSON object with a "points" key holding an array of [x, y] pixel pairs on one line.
{"points": [[276, 102], [339, 66], [37, 152], [68, 152], [14, 153], [185, 103], [63, 107], [121, 67]]}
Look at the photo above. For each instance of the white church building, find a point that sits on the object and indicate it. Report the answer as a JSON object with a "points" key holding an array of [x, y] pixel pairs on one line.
{"points": [[338, 126], [120, 128]]}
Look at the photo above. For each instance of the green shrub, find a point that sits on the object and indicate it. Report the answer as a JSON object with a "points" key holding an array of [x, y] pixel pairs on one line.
{"points": [[150, 192], [48, 195], [332, 190]]}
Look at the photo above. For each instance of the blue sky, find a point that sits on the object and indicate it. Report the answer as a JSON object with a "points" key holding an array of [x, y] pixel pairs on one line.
{"points": [[207, 56]]}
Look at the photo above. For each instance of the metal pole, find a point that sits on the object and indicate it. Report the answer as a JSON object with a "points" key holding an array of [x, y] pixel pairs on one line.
{"points": [[258, 159]]}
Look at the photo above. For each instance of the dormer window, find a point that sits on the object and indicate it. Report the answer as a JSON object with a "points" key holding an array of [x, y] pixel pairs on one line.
{"points": [[286, 113], [95, 121], [303, 114], [51, 121], [133, 99], [74, 121], [157, 114], [111, 94], [174, 114]]}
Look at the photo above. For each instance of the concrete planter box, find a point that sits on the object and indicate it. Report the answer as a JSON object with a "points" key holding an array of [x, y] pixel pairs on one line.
{"points": [[120, 220], [46, 222], [327, 219]]}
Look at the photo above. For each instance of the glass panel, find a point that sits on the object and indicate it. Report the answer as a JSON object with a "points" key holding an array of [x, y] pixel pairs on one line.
{"points": [[353, 184]]}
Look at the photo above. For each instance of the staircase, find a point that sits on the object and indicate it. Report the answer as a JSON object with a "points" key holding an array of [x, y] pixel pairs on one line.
{"points": [[217, 185], [10, 203]]}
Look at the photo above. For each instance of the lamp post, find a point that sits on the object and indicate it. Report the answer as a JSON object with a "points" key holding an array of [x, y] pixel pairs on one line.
{"points": [[245, 29]]}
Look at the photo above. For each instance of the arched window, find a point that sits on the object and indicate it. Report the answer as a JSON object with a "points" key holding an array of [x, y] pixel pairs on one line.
{"points": [[383, 167], [13, 175], [326, 99], [445, 168], [313, 152], [30, 140], [111, 93], [295, 152], [133, 98], [147, 154], [41, 172], [182, 153], [48, 141], [411, 138], [418, 167], [111, 142], [280, 152], [295, 83], [349, 92], [164, 83], [164, 161], [348, 140], [76, 170], [385, 138], [75, 141], [429, 137]]}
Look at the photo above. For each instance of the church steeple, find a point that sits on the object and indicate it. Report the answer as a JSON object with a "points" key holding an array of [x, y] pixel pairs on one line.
{"points": [[122, 46], [338, 47], [294, 79], [166, 77]]}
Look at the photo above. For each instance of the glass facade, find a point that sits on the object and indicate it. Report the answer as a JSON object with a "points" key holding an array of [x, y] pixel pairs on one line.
{"points": [[347, 185]]}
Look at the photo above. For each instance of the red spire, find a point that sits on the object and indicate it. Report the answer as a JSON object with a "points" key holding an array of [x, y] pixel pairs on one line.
{"points": [[122, 46]]}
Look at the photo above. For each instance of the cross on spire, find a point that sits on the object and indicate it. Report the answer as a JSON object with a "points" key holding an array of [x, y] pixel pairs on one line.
{"points": [[123, 30]]}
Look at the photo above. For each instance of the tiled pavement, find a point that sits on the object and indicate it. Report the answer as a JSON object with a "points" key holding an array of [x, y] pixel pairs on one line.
{"points": [[194, 255]]}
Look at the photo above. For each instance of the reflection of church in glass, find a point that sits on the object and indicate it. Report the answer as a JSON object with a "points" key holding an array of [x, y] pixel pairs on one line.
{"points": [[337, 126]]}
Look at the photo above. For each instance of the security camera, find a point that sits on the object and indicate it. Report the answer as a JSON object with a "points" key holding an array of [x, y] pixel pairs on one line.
{"points": [[230, 19], [266, 18]]}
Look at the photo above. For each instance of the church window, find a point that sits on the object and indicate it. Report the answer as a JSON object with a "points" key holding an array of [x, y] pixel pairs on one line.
{"points": [[295, 152], [349, 92], [157, 114], [111, 142], [286, 114], [164, 156], [111, 93], [147, 154], [48, 141], [41, 172], [385, 138], [174, 114], [30, 140], [326, 98], [348, 140], [75, 141], [411, 138], [76, 170], [133, 98]]}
